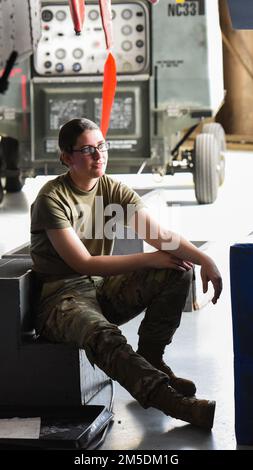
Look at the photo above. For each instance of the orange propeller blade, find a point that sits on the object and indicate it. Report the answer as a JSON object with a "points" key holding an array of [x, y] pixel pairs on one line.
{"points": [[109, 89]]}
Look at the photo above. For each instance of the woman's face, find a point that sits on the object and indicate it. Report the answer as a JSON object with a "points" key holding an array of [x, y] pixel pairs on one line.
{"points": [[86, 164]]}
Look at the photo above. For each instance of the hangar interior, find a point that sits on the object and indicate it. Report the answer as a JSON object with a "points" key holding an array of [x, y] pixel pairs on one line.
{"points": [[181, 142], [202, 348]]}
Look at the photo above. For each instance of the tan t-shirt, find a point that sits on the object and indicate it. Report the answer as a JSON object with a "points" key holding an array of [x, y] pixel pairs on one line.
{"points": [[92, 214]]}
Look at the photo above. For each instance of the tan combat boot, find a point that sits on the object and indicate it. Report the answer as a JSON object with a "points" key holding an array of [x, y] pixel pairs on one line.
{"points": [[192, 410], [184, 386], [153, 353]]}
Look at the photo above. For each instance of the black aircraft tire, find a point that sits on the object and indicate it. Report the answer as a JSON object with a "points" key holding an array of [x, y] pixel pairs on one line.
{"points": [[1, 191], [14, 184]]}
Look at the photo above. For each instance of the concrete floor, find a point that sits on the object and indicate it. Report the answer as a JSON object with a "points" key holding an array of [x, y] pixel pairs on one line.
{"points": [[202, 347]]}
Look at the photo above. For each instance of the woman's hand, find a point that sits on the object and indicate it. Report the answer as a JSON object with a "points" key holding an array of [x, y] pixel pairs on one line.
{"points": [[210, 272], [163, 259]]}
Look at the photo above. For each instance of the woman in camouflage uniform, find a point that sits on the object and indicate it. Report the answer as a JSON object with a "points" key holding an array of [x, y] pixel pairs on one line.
{"points": [[87, 293]]}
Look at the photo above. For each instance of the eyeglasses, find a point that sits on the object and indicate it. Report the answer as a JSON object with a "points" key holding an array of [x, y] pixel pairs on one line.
{"points": [[91, 150]]}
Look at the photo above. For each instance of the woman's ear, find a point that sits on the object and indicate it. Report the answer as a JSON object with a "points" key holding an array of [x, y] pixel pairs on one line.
{"points": [[65, 159]]}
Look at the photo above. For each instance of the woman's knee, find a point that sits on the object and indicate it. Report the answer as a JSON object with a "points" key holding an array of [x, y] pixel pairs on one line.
{"points": [[170, 276], [104, 344], [105, 337]]}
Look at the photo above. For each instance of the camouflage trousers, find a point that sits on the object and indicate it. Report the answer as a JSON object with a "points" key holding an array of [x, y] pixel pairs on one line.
{"points": [[87, 312]]}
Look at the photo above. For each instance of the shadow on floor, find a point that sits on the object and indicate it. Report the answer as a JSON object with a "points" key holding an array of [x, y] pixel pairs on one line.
{"points": [[168, 433]]}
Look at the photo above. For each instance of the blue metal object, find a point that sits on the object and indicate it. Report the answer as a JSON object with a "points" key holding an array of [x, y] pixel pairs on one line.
{"points": [[241, 12], [241, 263]]}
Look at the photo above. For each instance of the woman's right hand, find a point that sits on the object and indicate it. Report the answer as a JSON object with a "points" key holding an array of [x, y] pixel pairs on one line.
{"points": [[164, 260]]}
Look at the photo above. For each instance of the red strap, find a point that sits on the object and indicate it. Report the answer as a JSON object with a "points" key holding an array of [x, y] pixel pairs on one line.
{"points": [[109, 88], [106, 15], [77, 10]]}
